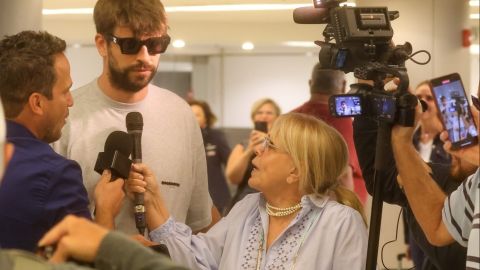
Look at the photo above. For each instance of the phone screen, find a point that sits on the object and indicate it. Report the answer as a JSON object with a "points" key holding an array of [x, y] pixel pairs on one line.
{"points": [[345, 105], [452, 104]]}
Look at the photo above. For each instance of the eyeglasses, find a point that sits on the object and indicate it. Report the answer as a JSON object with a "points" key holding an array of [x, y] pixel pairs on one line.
{"points": [[267, 144], [130, 45]]}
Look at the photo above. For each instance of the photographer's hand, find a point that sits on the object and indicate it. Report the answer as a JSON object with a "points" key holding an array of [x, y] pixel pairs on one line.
{"points": [[470, 154], [423, 194]]}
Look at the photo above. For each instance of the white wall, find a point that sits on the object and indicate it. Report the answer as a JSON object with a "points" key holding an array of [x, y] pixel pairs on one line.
{"points": [[85, 64], [249, 78]]}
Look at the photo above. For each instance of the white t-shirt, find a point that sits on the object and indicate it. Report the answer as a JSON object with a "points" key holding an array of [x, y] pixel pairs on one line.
{"points": [[172, 147]]}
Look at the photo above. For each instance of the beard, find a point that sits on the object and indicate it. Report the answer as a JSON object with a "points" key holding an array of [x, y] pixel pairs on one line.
{"points": [[126, 80]]}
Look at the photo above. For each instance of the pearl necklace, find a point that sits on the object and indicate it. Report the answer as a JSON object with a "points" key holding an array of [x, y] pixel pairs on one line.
{"points": [[281, 212]]}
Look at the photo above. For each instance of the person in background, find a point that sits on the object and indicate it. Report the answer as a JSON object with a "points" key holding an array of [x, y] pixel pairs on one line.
{"points": [[40, 187], [324, 83], [427, 142], [217, 152], [291, 223], [448, 177], [131, 36], [444, 219], [239, 165]]}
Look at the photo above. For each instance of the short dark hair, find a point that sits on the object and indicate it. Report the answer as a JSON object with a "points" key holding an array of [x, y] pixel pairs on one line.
{"points": [[27, 65], [326, 81], [209, 115], [142, 16]]}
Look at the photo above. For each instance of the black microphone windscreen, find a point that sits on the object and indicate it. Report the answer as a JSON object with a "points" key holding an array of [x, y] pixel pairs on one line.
{"points": [[119, 141], [134, 121], [310, 15]]}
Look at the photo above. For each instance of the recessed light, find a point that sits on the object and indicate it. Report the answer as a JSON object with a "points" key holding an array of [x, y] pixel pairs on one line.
{"points": [[178, 43], [302, 44], [248, 46], [475, 16], [474, 3], [475, 49]]}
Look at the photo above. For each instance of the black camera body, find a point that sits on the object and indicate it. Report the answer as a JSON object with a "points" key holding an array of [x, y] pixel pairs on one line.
{"points": [[363, 45], [364, 100]]}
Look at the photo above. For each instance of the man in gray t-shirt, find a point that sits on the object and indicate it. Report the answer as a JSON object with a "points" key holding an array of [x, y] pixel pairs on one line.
{"points": [[130, 41]]}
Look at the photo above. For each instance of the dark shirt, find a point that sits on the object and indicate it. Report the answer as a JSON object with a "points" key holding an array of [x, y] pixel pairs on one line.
{"points": [[344, 126], [438, 155], [39, 188], [217, 152], [448, 257]]}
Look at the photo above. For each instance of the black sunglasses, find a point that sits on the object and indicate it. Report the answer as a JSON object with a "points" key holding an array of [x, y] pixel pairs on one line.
{"points": [[130, 45]]}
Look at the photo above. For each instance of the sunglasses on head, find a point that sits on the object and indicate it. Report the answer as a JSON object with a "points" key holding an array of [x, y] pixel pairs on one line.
{"points": [[130, 45]]}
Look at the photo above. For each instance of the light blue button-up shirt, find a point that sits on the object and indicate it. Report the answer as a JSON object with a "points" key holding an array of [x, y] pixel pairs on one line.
{"points": [[324, 235]]}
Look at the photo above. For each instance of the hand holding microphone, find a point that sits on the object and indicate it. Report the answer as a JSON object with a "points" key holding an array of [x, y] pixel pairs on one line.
{"points": [[117, 149], [112, 164]]}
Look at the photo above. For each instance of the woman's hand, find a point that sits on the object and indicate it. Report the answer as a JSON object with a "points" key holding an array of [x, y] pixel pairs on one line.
{"points": [[142, 180], [255, 140]]}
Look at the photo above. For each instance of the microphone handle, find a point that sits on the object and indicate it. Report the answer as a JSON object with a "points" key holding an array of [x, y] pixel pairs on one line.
{"points": [[140, 220]]}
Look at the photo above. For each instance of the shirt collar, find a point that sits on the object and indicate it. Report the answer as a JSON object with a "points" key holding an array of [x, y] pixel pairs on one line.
{"points": [[15, 129]]}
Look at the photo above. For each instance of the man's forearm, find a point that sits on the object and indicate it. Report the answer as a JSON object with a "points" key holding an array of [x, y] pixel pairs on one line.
{"points": [[425, 197]]}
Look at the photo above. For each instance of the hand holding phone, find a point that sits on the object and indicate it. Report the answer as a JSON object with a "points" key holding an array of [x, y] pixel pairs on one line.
{"points": [[261, 126], [454, 110]]}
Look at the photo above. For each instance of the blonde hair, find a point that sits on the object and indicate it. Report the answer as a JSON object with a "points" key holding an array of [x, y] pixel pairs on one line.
{"points": [[259, 103], [319, 153]]}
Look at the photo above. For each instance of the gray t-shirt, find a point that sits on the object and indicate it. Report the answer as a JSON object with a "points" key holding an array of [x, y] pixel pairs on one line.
{"points": [[171, 146]]}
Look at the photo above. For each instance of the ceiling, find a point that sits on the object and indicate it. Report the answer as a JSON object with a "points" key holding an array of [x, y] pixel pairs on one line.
{"points": [[203, 32]]}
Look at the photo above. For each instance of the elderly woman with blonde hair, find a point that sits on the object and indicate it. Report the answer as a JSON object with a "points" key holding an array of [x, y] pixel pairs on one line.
{"points": [[292, 223]]}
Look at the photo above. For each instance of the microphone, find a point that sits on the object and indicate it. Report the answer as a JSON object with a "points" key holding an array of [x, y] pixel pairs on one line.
{"points": [[310, 15], [134, 121], [117, 149]]}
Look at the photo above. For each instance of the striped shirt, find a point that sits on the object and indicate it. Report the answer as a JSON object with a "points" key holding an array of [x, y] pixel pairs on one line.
{"points": [[461, 216]]}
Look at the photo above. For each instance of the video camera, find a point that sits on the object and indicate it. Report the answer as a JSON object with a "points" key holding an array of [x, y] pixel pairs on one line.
{"points": [[363, 44]]}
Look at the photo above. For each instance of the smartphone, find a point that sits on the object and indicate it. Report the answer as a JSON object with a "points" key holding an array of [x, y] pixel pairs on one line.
{"points": [[454, 110], [261, 126], [346, 105]]}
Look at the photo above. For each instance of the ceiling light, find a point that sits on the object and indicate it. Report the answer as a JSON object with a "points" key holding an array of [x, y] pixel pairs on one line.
{"points": [[475, 49], [61, 11], [475, 16], [303, 44], [248, 46], [474, 3], [348, 4], [178, 43], [206, 8], [244, 7]]}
